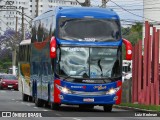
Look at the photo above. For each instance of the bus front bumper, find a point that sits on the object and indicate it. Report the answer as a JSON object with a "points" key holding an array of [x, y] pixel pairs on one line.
{"points": [[96, 100]]}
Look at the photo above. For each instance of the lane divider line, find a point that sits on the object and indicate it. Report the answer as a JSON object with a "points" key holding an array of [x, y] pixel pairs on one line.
{"points": [[58, 114], [45, 110], [76, 119], [28, 105]]}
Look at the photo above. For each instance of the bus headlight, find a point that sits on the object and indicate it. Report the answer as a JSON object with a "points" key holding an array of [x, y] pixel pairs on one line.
{"points": [[112, 91], [63, 89]]}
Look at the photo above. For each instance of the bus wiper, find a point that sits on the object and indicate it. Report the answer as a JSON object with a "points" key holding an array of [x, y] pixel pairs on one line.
{"points": [[99, 65], [63, 77], [68, 77], [64, 23], [113, 79]]}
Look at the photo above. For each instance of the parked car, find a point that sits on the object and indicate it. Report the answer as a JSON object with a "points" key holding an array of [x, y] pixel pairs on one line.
{"points": [[8, 81]]}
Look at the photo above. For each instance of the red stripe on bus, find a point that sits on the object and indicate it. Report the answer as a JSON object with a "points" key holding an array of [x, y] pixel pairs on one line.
{"points": [[57, 91], [119, 92]]}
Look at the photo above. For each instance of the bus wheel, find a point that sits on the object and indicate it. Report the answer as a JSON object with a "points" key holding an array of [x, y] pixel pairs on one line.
{"points": [[107, 108], [24, 97], [30, 99], [38, 102], [55, 106]]}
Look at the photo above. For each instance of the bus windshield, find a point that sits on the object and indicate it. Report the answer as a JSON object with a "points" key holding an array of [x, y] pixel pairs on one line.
{"points": [[83, 62], [89, 29]]}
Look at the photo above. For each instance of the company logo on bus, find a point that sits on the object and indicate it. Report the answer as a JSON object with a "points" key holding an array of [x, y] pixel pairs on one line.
{"points": [[80, 87], [100, 87], [88, 81]]}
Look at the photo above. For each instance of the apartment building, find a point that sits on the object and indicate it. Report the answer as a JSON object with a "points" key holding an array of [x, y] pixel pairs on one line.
{"points": [[32, 8]]}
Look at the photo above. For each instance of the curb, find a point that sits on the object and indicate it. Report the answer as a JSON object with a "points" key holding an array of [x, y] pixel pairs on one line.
{"points": [[135, 109]]}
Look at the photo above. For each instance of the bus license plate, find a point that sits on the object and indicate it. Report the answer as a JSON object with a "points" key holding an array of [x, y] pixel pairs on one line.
{"points": [[88, 100]]}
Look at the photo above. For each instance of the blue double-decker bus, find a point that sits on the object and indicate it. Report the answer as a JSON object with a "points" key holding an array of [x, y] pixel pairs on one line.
{"points": [[74, 57]]}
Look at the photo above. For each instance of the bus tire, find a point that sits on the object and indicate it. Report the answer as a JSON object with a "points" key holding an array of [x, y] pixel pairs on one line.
{"points": [[30, 99], [107, 108], [38, 102], [24, 97], [55, 106]]}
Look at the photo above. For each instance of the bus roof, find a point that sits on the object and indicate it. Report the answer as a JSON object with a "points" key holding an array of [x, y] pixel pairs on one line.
{"points": [[80, 12], [25, 42]]}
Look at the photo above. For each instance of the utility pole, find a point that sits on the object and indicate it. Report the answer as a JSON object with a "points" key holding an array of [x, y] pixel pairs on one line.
{"points": [[16, 26], [104, 2], [23, 32], [37, 7], [14, 53]]}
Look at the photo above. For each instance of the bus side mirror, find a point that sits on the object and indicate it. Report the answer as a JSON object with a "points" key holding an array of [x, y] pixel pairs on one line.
{"points": [[53, 47], [128, 47]]}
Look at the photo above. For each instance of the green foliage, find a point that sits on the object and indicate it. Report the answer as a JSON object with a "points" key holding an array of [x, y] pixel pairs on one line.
{"points": [[133, 34], [5, 63], [141, 106]]}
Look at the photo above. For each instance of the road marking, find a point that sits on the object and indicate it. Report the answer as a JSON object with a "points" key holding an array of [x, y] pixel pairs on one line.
{"points": [[35, 107], [76, 119], [3, 91], [58, 114], [28, 105], [17, 101], [45, 110], [22, 102], [13, 99]]}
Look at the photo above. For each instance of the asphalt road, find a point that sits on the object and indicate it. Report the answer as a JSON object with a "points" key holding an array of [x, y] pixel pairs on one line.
{"points": [[11, 100]]}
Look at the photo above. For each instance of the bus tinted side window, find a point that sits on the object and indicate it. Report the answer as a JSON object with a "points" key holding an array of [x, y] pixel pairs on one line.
{"points": [[24, 53]]}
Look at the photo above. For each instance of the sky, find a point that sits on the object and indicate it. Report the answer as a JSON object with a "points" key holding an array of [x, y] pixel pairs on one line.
{"points": [[130, 11]]}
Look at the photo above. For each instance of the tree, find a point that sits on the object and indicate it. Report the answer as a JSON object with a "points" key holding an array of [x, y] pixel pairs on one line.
{"points": [[86, 3], [9, 42], [133, 34]]}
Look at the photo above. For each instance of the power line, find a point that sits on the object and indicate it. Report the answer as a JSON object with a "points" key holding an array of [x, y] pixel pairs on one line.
{"points": [[19, 12], [5, 23], [131, 12]]}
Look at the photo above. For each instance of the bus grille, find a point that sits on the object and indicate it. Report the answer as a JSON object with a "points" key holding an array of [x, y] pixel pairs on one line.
{"points": [[89, 93]]}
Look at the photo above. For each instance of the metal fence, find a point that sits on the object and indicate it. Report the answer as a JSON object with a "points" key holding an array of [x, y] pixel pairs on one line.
{"points": [[145, 72]]}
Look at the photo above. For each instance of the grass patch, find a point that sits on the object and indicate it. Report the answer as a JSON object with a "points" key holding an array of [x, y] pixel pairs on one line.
{"points": [[141, 106]]}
